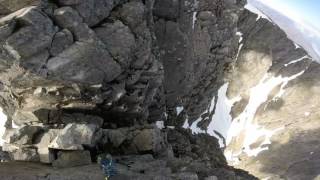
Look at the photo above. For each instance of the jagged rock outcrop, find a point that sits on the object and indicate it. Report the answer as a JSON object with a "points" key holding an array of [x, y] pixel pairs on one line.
{"points": [[84, 78]]}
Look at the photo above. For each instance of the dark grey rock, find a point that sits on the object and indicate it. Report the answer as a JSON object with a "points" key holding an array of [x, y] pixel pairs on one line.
{"points": [[22, 136], [69, 2], [148, 140], [94, 11], [34, 36], [68, 159], [37, 62], [61, 41], [119, 41], [115, 137], [82, 119], [93, 62], [133, 14], [168, 9], [211, 178], [6, 30], [67, 18]]}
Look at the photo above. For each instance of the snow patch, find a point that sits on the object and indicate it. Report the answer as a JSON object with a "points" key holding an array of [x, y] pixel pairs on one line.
{"points": [[165, 115], [241, 44], [179, 109], [296, 60], [3, 120], [240, 36], [194, 15], [160, 124], [194, 127], [244, 124], [186, 124], [221, 120], [194, 19], [297, 46]]}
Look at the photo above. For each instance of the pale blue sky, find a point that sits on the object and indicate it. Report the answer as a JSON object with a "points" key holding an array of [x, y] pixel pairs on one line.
{"points": [[307, 10]]}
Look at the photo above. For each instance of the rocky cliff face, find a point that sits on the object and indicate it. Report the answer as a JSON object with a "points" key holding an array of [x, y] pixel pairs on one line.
{"points": [[157, 84], [274, 130], [80, 79]]}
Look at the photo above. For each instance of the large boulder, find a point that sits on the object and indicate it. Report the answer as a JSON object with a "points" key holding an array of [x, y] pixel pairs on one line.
{"points": [[34, 35], [72, 158], [25, 154], [119, 40], [74, 136], [94, 11], [134, 140], [87, 63], [21, 136], [61, 40], [46, 155]]}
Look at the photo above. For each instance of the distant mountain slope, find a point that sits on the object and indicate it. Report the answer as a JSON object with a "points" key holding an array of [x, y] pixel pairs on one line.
{"points": [[299, 31]]}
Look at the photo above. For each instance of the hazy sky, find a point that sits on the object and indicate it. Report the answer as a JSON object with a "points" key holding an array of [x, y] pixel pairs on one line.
{"points": [[305, 10]]}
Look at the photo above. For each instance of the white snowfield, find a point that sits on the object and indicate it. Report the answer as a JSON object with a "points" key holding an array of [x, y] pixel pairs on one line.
{"points": [[297, 29]]}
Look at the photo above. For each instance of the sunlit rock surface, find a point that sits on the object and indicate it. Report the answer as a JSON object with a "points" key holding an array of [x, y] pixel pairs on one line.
{"points": [[273, 133]]}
